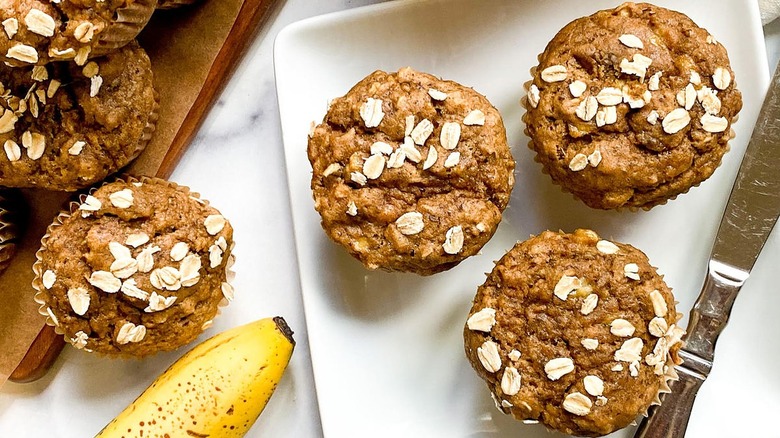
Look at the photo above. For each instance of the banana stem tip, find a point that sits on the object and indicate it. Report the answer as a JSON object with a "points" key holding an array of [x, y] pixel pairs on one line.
{"points": [[281, 324]]}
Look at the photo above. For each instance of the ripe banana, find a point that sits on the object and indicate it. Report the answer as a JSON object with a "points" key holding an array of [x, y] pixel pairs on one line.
{"points": [[218, 389]]}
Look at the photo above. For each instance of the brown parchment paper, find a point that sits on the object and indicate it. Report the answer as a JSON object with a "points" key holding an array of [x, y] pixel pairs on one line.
{"points": [[183, 45]]}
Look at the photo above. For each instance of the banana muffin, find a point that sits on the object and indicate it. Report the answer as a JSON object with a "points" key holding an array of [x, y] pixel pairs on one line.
{"points": [[410, 172], [41, 31], [135, 268], [631, 106], [65, 127], [575, 332]]}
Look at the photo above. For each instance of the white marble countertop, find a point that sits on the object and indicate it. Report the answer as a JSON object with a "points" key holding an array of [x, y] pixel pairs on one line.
{"points": [[237, 163]]}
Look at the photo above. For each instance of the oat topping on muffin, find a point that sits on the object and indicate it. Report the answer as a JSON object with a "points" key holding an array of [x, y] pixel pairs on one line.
{"points": [[410, 172], [41, 31], [641, 87], [562, 336], [64, 127], [138, 276]]}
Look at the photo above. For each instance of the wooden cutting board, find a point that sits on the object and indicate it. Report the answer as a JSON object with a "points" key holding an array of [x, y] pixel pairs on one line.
{"points": [[194, 51]]}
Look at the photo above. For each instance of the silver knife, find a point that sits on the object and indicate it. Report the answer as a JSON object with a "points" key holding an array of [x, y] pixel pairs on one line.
{"points": [[750, 215]]}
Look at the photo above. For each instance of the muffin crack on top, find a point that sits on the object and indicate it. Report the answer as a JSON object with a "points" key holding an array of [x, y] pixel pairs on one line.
{"points": [[410, 172], [630, 107]]}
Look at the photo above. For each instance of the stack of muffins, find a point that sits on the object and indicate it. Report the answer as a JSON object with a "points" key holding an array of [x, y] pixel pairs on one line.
{"points": [[130, 267], [627, 109]]}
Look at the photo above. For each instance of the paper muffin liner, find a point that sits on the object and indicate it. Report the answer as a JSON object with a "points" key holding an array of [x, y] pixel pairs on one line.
{"points": [[71, 208], [148, 131], [670, 374], [524, 103], [128, 22], [170, 4], [143, 141], [11, 207], [37, 283]]}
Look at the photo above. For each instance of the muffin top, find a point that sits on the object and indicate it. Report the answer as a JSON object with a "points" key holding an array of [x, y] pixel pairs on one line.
{"points": [[573, 331], [41, 31], [139, 267], [630, 107], [410, 172], [65, 127]]}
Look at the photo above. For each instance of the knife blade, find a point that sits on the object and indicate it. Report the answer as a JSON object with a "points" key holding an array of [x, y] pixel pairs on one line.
{"points": [[750, 215]]}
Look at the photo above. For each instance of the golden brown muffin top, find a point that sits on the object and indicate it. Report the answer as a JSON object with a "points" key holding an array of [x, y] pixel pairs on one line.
{"points": [[410, 172], [139, 267], [573, 331], [41, 31], [65, 127], [631, 106]]}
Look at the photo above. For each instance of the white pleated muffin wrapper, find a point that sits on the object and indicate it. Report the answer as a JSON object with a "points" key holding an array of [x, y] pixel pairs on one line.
{"points": [[9, 229], [128, 22]]}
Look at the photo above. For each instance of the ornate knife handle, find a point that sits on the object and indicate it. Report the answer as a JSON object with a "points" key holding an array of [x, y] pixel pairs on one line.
{"points": [[671, 418], [708, 319]]}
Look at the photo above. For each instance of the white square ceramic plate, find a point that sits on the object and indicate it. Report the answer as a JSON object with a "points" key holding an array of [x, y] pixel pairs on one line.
{"points": [[387, 348]]}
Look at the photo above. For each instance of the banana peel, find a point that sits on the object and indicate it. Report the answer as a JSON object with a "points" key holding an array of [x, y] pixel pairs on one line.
{"points": [[218, 389]]}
